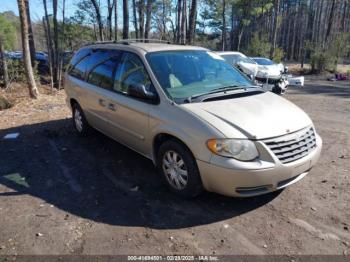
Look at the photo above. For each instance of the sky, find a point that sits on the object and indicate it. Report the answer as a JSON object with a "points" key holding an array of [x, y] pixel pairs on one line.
{"points": [[37, 8]]}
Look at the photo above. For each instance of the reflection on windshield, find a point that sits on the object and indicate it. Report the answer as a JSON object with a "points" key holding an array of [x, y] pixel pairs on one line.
{"points": [[185, 73]]}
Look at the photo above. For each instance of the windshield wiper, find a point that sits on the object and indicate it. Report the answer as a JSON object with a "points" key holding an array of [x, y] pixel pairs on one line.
{"points": [[216, 90]]}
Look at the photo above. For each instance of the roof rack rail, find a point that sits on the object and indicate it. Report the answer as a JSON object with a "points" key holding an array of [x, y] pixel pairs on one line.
{"points": [[129, 41], [142, 40]]}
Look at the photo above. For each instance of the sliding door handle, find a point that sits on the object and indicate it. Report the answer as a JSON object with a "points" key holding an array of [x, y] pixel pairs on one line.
{"points": [[102, 102], [112, 107]]}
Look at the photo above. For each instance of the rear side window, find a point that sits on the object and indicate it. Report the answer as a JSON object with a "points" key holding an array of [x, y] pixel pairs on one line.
{"points": [[79, 55], [89, 61], [102, 74]]}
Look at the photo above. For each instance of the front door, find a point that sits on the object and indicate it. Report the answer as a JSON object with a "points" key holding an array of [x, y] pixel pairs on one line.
{"points": [[129, 116]]}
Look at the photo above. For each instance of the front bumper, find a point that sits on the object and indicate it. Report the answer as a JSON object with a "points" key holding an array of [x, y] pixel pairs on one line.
{"points": [[230, 177]]}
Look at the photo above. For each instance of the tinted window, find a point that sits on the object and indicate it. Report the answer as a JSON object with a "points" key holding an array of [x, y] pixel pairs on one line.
{"points": [[130, 71], [78, 70], [102, 75], [91, 60], [79, 55]]}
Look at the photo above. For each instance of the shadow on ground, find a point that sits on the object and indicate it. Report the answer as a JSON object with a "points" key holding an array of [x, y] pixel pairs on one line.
{"points": [[339, 89], [96, 178]]}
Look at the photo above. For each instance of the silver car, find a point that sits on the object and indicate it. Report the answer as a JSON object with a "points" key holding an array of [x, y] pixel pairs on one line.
{"points": [[202, 123]]}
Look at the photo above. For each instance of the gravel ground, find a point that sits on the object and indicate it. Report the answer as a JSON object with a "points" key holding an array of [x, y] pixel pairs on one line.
{"points": [[61, 194]]}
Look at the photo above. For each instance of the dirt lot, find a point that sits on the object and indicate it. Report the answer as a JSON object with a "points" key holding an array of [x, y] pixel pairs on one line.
{"points": [[61, 194]]}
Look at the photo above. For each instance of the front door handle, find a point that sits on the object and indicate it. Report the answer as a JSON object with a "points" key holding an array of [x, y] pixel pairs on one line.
{"points": [[101, 102], [112, 107]]}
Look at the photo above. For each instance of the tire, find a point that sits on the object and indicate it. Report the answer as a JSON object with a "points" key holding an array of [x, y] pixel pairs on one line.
{"points": [[79, 121], [277, 90], [184, 169]]}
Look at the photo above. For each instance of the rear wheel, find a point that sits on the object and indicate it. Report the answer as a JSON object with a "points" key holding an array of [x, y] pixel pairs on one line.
{"points": [[179, 169], [79, 121]]}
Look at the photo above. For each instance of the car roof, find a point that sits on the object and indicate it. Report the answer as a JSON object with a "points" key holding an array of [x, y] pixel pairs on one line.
{"points": [[145, 47], [230, 53], [260, 58]]}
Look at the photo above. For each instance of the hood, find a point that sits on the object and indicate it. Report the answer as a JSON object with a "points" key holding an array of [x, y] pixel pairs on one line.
{"points": [[248, 68], [257, 116], [269, 70]]}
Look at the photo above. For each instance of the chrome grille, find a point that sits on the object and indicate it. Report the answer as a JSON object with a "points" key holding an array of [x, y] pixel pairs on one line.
{"points": [[294, 146]]}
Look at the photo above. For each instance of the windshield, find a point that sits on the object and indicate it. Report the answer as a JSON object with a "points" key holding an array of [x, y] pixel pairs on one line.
{"points": [[234, 59], [263, 61], [187, 73]]}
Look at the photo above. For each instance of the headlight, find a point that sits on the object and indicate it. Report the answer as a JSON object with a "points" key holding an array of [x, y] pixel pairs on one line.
{"points": [[240, 149]]}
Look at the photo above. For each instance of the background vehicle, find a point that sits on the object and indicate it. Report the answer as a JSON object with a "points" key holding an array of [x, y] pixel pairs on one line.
{"points": [[242, 62], [197, 118], [271, 75]]}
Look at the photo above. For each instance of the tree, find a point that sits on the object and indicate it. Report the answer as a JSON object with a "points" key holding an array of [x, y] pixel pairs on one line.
{"points": [[275, 24], [33, 90], [98, 18], [148, 18], [56, 51], [115, 20], [192, 22], [135, 18], [7, 38], [141, 11], [125, 19], [31, 36]]}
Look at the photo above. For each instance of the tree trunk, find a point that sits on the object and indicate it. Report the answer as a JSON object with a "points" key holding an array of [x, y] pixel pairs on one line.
{"points": [[192, 22], [275, 24], [223, 35], [31, 36], [135, 18], [115, 20], [4, 64], [56, 48], [49, 42], [148, 18], [178, 26], [232, 33], [109, 18], [98, 18], [183, 23], [330, 22], [49, 51], [142, 18], [125, 19], [33, 90]]}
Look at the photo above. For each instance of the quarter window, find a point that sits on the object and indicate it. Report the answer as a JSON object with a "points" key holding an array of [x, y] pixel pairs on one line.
{"points": [[130, 71]]}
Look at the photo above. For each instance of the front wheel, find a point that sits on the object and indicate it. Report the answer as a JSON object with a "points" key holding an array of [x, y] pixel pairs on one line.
{"points": [[79, 121], [179, 169]]}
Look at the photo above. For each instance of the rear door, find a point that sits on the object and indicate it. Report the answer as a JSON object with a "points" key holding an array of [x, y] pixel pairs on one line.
{"points": [[94, 74]]}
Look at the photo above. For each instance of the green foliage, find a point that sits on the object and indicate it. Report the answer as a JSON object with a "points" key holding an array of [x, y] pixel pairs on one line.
{"points": [[327, 59], [259, 46], [7, 32], [279, 54]]}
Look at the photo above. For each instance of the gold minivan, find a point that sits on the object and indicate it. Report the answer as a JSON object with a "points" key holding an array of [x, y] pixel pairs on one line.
{"points": [[202, 123]]}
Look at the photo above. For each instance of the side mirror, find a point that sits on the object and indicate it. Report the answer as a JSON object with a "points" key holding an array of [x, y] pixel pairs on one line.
{"points": [[286, 69], [139, 91]]}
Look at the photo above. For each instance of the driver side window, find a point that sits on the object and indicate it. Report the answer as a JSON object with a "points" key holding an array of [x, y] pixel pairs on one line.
{"points": [[131, 70]]}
